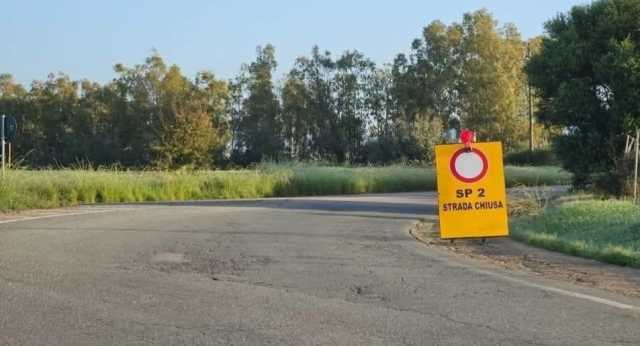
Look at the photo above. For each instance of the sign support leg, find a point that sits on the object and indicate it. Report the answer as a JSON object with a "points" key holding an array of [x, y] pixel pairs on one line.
{"points": [[3, 144], [635, 168]]}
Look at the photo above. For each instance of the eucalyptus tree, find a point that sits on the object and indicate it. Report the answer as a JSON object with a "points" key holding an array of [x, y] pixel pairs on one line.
{"points": [[139, 92], [491, 80], [426, 89], [380, 105], [467, 74], [258, 124], [53, 105], [297, 123], [353, 72], [309, 95], [326, 105]]}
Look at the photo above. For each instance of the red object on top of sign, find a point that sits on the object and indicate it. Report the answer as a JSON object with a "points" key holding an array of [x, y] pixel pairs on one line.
{"points": [[466, 137]]}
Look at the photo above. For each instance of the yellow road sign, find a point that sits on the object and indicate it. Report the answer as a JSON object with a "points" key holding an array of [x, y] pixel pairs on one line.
{"points": [[471, 191]]}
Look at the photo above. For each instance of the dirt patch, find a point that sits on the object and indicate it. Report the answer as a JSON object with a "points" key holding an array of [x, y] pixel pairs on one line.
{"points": [[513, 255]]}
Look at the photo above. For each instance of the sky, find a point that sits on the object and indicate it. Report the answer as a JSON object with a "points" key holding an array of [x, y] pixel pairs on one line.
{"points": [[86, 38]]}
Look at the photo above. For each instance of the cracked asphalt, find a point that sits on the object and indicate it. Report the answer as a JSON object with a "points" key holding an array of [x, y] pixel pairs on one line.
{"points": [[304, 271]]}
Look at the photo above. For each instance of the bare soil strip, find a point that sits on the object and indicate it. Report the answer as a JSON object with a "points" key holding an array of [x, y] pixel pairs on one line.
{"points": [[513, 255]]}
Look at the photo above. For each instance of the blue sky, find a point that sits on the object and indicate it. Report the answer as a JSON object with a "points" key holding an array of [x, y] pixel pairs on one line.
{"points": [[86, 38]]}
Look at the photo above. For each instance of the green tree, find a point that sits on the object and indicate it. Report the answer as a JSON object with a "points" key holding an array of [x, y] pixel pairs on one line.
{"points": [[139, 92], [329, 106], [353, 71], [213, 96], [295, 119], [258, 128], [314, 105], [426, 89], [435, 72], [170, 120], [380, 105], [61, 136], [491, 80], [187, 135], [13, 102], [588, 77], [468, 74]]}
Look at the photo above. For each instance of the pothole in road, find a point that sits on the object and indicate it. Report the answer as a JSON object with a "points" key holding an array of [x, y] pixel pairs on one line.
{"points": [[367, 292], [208, 262]]}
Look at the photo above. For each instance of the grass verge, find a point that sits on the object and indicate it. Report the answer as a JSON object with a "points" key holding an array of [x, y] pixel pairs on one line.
{"points": [[608, 231], [27, 189]]}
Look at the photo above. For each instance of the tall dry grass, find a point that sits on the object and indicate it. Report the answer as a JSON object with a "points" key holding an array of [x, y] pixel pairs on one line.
{"points": [[27, 189]]}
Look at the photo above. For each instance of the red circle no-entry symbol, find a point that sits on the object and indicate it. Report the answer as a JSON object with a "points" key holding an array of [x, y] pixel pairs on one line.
{"points": [[469, 165]]}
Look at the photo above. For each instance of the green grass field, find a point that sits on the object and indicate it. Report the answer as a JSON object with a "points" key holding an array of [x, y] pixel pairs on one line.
{"points": [[607, 230], [26, 189]]}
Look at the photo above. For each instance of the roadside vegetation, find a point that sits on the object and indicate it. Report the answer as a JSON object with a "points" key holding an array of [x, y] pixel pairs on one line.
{"points": [[585, 77], [536, 176], [581, 79], [605, 230], [27, 189]]}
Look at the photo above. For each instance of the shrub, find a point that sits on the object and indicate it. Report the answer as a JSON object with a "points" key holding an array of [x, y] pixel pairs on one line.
{"points": [[538, 157]]}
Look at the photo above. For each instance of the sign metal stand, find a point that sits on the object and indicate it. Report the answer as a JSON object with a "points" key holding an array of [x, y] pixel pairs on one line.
{"points": [[633, 143], [3, 144]]}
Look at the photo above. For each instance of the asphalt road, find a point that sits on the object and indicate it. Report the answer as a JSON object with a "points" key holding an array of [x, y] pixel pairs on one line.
{"points": [[309, 271]]}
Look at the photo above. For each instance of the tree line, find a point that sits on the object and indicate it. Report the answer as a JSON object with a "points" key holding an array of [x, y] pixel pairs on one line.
{"points": [[332, 108]]}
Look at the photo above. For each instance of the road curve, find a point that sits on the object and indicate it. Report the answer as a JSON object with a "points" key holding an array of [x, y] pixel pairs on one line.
{"points": [[304, 271]]}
